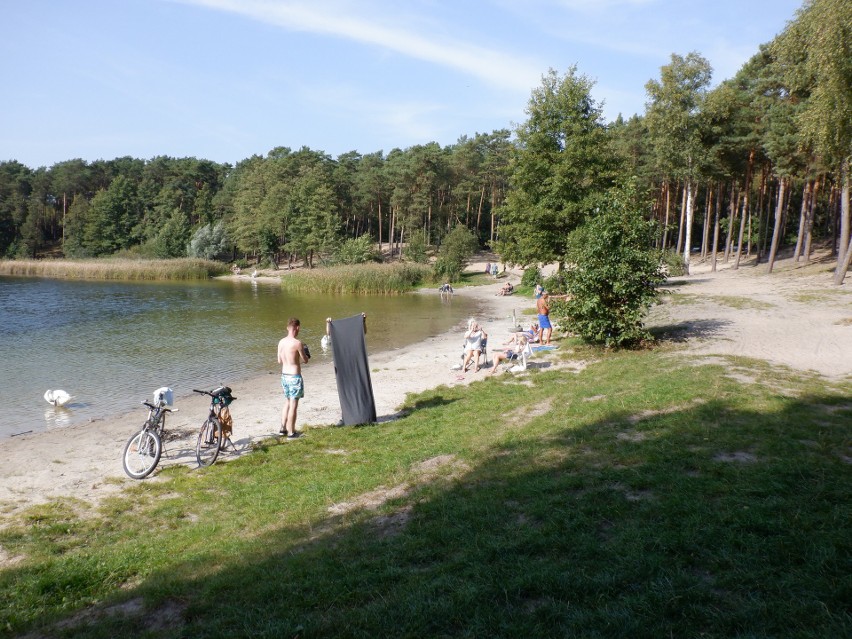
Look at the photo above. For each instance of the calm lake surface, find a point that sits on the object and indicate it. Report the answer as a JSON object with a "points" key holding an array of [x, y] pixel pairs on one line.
{"points": [[111, 344]]}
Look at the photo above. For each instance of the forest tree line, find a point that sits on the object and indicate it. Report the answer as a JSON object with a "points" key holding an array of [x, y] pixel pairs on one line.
{"points": [[758, 163]]}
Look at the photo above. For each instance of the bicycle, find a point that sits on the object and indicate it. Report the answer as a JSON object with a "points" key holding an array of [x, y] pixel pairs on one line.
{"points": [[143, 449], [216, 430]]}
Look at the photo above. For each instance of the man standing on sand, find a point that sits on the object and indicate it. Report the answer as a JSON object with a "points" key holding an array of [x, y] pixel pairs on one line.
{"points": [[291, 354], [542, 306]]}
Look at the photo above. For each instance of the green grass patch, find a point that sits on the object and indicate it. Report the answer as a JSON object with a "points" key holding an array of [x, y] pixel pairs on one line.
{"points": [[732, 301], [370, 279], [821, 295], [645, 496], [115, 269]]}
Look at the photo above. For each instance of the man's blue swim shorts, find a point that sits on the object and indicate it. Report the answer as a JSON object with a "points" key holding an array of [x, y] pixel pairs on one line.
{"points": [[294, 387]]}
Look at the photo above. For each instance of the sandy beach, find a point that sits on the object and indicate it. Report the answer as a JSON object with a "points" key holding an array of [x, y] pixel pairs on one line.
{"points": [[790, 319]]}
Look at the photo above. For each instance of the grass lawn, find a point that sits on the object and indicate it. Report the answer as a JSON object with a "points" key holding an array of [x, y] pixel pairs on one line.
{"points": [[644, 496]]}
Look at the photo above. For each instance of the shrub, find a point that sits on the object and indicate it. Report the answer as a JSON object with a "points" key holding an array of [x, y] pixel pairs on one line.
{"points": [[531, 277], [210, 242], [673, 263], [417, 248], [557, 283], [456, 249], [357, 251], [614, 274]]}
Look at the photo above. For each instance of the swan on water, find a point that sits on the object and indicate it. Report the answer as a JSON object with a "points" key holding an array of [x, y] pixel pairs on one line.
{"points": [[57, 397]]}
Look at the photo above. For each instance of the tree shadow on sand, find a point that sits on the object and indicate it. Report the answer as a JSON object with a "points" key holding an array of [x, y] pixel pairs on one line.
{"points": [[684, 331]]}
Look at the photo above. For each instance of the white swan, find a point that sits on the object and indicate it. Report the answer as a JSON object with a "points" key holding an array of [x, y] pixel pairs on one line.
{"points": [[325, 342], [57, 397]]}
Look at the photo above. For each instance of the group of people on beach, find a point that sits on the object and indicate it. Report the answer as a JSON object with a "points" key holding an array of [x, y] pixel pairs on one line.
{"points": [[292, 353], [476, 340]]}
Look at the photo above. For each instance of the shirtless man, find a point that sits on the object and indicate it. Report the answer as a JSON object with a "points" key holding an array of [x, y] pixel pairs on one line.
{"points": [[542, 305], [291, 354]]}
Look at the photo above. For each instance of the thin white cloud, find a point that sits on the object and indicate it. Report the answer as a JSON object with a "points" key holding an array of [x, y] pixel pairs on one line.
{"points": [[346, 21], [590, 6]]}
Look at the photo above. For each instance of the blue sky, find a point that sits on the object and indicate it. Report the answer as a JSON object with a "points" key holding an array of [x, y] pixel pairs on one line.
{"points": [[226, 79]]}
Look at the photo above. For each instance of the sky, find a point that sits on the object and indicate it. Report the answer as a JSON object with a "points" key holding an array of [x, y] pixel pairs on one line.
{"points": [[223, 80]]}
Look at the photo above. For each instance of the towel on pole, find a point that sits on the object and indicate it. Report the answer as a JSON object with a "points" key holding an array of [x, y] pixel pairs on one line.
{"points": [[352, 370]]}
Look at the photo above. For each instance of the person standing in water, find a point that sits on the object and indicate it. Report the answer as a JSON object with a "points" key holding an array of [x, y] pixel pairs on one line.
{"points": [[292, 353]]}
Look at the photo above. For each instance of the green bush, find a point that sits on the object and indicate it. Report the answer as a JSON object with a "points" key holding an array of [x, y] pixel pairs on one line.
{"points": [[556, 284], [673, 263], [455, 251], [209, 242], [531, 277], [614, 274], [417, 248], [359, 250]]}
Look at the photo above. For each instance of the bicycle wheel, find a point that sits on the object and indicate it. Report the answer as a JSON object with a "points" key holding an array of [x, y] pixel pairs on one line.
{"points": [[142, 454], [209, 441]]}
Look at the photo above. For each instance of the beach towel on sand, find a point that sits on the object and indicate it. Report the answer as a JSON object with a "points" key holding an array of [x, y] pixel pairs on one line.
{"points": [[352, 370]]}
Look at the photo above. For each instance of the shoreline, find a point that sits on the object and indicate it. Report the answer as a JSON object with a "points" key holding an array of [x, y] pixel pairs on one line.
{"points": [[84, 461], [797, 320]]}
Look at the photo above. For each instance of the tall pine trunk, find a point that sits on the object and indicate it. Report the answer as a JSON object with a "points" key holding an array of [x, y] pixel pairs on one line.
{"points": [[717, 210], [803, 213], [732, 219], [809, 228], [668, 210], [680, 228], [380, 225], [745, 211], [687, 232], [779, 214], [844, 255], [705, 235]]}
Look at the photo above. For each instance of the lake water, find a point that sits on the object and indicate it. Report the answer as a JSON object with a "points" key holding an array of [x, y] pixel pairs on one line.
{"points": [[110, 344]]}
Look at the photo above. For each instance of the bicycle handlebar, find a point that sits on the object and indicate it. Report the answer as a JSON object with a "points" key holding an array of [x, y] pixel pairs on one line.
{"points": [[155, 407], [204, 392]]}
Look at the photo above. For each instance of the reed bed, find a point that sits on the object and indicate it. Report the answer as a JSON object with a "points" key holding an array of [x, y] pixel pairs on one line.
{"points": [[364, 279], [115, 269]]}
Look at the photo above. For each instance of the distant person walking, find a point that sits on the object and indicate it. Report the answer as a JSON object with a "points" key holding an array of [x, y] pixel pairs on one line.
{"points": [[292, 353]]}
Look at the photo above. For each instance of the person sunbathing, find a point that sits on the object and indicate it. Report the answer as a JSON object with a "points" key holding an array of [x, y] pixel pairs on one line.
{"points": [[514, 346], [506, 289]]}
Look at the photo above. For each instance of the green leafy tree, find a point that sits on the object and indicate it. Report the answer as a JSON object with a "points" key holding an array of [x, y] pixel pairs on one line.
{"points": [[359, 250], [172, 238], [815, 56], [210, 242], [76, 221], [674, 119], [312, 209], [418, 245], [456, 249], [562, 163], [15, 188], [113, 215], [614, 275]]}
